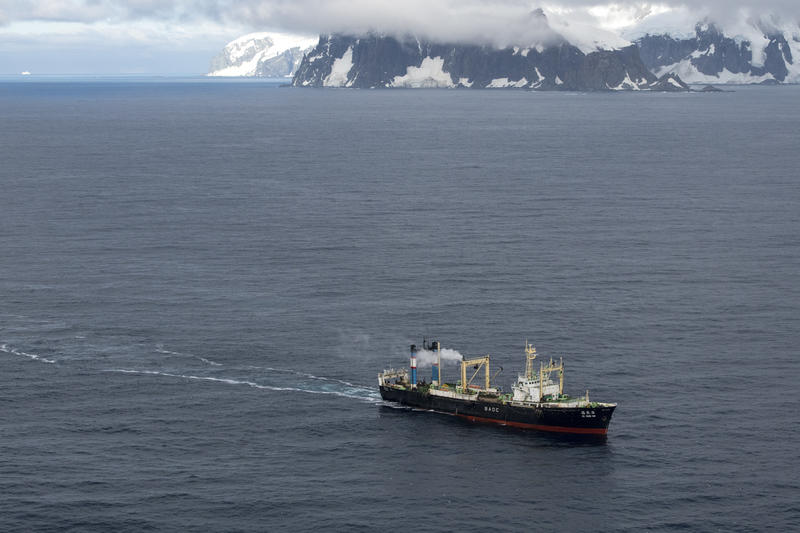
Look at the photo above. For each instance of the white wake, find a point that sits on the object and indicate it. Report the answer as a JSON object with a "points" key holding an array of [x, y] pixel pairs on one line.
{"points": [[36, 357], [350, 391]]}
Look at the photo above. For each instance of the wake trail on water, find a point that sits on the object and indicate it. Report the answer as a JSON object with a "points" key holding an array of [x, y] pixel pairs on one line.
{"points": [[36, 357], [351, 391], [278, 379], [307, 375], [160, 349]]}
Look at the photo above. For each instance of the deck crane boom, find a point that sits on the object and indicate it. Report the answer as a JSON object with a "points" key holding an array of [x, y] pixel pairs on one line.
{"points": [[480, 362]]}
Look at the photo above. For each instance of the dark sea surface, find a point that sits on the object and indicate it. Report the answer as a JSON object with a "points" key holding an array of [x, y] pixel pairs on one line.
{"points": [[200, 280]]}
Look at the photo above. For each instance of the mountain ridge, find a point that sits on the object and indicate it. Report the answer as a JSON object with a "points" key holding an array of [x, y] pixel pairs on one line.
{"points": [[566, 57], [262, 54], [713, 56], [382, 61]]}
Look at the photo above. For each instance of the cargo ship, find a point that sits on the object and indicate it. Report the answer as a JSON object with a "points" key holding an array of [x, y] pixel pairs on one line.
{"points": [[536, 402]]}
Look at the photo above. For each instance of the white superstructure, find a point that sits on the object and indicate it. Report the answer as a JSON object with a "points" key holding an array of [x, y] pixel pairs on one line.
{"points": [[532, 387]]}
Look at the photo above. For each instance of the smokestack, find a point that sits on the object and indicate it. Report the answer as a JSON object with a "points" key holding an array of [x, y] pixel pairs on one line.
{"points": [[437, 360], [413, 365]]}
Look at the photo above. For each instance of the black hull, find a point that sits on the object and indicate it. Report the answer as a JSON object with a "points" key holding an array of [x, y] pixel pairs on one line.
{"points": [[574, 420]]}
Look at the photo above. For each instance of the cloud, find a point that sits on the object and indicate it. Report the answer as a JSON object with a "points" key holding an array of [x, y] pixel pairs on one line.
{"points": [[207, 25], [452, 17]]}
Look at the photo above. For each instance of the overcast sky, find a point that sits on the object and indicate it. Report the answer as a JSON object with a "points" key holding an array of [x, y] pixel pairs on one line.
{"points": [[181, 36]]}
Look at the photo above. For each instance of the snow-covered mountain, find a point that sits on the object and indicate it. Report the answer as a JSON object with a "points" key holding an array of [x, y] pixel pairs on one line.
{"points": [[378, 61], [561, 54], [268, 55], [588, 60], [753, 52]]}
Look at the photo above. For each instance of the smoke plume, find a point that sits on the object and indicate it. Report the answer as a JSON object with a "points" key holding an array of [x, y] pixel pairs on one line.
{"points": [[426, 358]]}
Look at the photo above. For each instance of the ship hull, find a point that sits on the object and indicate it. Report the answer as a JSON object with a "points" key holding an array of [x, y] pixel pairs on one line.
{"points": [[573, 420]]}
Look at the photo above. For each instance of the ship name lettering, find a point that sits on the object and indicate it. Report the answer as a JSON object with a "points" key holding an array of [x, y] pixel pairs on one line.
{"points": [[491, 409]]}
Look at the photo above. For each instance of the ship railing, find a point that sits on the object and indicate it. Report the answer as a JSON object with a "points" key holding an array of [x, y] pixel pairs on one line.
{"points": [[392, 373]]}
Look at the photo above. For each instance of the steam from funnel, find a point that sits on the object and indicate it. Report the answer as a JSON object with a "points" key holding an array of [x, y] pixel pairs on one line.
{"points": [[426, 358]]}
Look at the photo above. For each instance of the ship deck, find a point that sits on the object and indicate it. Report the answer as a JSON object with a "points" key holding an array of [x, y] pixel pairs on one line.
{"points": [[505, 399]]}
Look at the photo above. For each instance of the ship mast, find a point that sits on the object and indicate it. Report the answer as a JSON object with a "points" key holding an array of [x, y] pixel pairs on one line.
{"points": [[530, 354]]}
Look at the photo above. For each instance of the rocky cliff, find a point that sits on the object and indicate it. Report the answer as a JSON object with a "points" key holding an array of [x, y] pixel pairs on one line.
{"points": [[378, 61], [768, 55]]}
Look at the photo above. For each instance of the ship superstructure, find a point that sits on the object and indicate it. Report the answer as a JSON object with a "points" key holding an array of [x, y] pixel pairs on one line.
{"points": [[537, 400]]}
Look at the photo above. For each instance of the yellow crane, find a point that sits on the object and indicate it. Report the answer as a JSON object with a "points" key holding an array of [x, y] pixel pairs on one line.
{"points": [[544, 373], [480, 362]]}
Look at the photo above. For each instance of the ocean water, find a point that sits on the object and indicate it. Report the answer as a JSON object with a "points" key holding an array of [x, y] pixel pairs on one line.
{"points": [[200, 280]]}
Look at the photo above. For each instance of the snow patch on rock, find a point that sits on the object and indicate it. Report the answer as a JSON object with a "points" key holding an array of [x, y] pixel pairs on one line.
{"points": [[794, 68], [625, 85], [340, 70], [689, 74], [502, 83], [498, 83], [430, 74]]}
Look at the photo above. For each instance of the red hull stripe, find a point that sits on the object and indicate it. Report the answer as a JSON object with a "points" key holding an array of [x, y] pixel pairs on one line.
{"points": [[556, 429]]}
